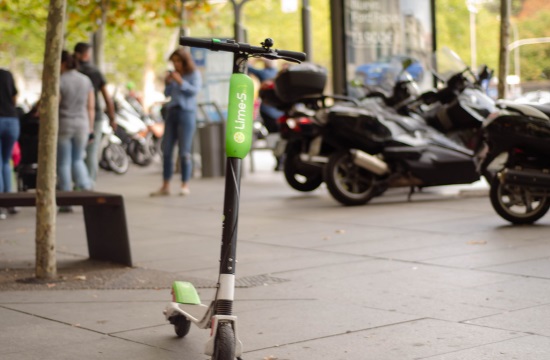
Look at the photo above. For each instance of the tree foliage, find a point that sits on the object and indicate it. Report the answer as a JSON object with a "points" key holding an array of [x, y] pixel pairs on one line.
{"points": [[141, 33], [453, 31]]}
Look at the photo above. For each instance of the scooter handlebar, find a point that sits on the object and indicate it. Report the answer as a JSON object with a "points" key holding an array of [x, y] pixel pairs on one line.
{"points": [[235, 47]]}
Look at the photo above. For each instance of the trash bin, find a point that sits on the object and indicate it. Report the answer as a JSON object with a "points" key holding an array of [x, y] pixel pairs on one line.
{"points": [[211, 131]]}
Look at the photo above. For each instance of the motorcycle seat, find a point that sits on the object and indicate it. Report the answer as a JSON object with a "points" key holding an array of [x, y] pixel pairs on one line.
{"points": [[542, 108], [537, 111]]}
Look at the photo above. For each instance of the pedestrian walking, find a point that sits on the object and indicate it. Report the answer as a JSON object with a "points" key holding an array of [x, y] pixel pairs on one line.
{"points": [[9, 130], [83, 56], [269, 114], [182, 86], [76, 117]]}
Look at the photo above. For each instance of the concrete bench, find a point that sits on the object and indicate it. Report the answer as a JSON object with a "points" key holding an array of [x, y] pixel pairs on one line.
{"points": [[104, 217]]}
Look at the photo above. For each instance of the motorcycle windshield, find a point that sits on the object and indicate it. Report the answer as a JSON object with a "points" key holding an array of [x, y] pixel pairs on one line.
{"points": [[447, 63], [478, 101]]}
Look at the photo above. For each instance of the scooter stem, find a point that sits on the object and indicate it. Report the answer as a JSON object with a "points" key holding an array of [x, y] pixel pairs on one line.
{"points": [[229, 236]]}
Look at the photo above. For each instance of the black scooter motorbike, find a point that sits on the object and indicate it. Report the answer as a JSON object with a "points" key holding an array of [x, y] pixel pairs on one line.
{"points": [[518, 138], [380, 147], [298, 92]]}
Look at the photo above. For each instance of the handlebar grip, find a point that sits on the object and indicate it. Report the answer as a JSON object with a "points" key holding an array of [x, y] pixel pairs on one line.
{"points": [[194, 42], [300, 56]]}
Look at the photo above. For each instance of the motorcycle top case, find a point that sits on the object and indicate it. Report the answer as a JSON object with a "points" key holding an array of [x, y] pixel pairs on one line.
{"points": [[356, 128], [269, 97], [300, 81], [519, 131]]}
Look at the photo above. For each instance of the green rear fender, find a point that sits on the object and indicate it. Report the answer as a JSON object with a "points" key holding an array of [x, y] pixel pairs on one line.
{"points": [[238, 138], [185, 293]]}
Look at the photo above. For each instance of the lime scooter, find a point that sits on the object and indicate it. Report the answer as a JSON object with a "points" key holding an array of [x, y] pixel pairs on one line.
{"points": [[186, 306]]}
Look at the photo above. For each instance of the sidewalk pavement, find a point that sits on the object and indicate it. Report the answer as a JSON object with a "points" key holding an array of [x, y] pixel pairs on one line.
{"points": [[441, 277]]}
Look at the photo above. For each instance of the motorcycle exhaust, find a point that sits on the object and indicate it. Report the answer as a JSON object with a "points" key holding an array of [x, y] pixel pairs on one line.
{"points": [[369, 162], [531, 178]]}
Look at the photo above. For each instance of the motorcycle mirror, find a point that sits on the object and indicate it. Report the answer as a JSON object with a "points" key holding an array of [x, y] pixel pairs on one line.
{"points": [[484, 73], [357, 82], [406, 63]]}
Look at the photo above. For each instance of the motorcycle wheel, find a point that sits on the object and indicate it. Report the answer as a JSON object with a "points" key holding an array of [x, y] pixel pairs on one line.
{"points": [[116, 159], [517, 204], [139, 153], [156, 148], [348, 183], [300, 175]]}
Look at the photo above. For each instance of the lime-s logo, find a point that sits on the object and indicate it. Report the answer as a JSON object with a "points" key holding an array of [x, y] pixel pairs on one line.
{"points": [[239, 137], [241, 113]]}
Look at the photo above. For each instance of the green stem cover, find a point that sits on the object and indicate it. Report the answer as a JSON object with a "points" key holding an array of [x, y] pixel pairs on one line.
{"points": [[238, 136]]}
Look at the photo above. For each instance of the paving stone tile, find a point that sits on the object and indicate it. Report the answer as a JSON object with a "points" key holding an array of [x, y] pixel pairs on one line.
{"points": [[102, 317], [536, 267], [406, 341], [25, 332], [534, 250], [533, 320], [105, 348], [525, 347]]}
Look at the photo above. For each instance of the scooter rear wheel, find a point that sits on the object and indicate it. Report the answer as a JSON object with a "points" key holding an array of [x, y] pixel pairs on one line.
{"points": [[348, 183], [181, 325], [224, 346], [517, 204]]}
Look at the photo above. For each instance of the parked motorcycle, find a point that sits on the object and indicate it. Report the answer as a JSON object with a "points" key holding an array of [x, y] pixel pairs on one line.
{"points": [[298, 92], [519, 154], [113, 155], [378, 147], [131, 129]]}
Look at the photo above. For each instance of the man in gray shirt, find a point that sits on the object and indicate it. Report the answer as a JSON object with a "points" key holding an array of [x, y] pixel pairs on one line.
{"points": [[83, 54], [76, 114]]}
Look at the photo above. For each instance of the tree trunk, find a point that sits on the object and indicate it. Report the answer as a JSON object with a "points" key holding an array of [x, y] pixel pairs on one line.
{"points": [[98, 38], [503, 51], [46, 266]]}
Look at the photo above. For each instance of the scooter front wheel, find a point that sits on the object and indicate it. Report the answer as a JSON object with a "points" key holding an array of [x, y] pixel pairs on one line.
{"points": [[518, 204], [348, 183], [224, 346]]}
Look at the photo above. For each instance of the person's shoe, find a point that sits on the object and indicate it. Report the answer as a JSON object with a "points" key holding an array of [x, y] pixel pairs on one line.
{"points": [[185, 191], [13, 210], [66, 209], [3, 214], [160, 192]]}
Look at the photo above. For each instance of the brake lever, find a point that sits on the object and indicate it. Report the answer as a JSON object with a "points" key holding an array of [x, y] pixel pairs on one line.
{"points": [[275, 56]]}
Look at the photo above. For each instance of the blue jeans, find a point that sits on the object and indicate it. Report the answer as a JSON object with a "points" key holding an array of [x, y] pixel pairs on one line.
{"points": [[179, 127], [92, 156], [70, 162], [9, 133]]}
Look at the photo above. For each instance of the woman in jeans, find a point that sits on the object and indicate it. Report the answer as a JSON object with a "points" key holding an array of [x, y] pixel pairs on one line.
{"points": [[76, 114], [9, 130], [182, 86]]}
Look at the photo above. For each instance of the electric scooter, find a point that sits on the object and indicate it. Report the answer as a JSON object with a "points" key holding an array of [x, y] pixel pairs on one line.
{"points": [[186, 306]]}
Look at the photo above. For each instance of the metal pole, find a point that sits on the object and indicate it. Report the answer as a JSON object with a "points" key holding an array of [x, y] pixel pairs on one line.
{"points": [[471, 5], [516, 50], [184, 30], [338, 46], [503, 52], [306, 30], [238, 29], [473, 42]]}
